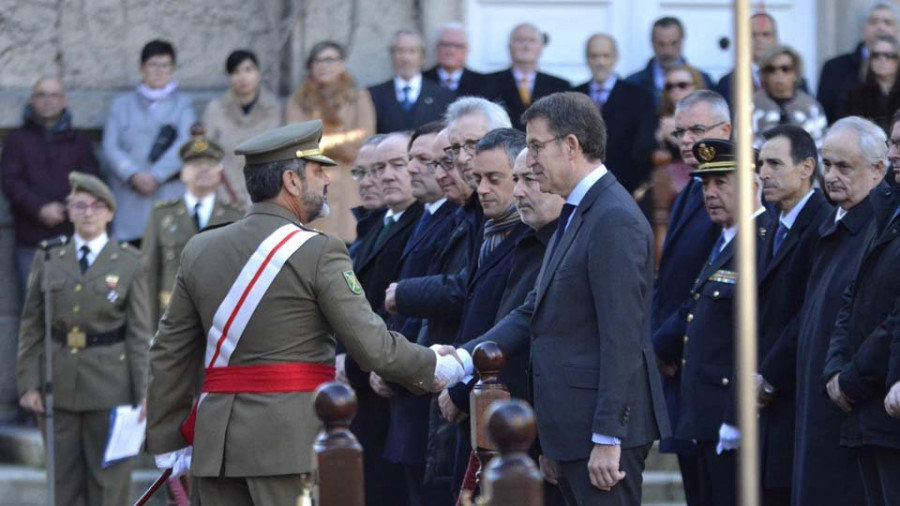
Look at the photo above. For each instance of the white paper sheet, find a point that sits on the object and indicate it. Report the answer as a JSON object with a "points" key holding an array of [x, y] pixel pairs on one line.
{"points": [[126, 434]]}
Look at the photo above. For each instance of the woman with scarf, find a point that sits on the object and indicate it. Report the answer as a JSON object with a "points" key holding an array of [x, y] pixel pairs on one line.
{"points": [[245, 110], [141, 139], [329, 93]]}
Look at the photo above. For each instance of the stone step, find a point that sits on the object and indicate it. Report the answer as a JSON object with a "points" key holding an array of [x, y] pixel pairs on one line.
{"points": [[25, 486]]}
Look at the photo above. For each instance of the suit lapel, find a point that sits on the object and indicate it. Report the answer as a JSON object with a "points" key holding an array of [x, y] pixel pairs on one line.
{"points": [[69, 261], [498, 254], [691, 206], [710, 268], [793, 237], [409, 216], [105, 255]]}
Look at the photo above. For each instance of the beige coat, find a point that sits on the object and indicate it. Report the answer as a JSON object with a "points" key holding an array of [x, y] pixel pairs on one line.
{"points": [[313, 300], [341, 144], [227, 124]]}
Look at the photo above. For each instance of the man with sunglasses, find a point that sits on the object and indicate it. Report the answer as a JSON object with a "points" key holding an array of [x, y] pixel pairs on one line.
{"points": [[689, 238]]}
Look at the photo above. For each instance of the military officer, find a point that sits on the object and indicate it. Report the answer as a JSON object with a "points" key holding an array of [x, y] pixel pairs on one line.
{"points": [[173, 222], [101, 335], [703, 329], [259, 303]]}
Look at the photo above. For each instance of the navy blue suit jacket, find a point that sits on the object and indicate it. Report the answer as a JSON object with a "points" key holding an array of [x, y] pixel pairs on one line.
{"points": [[390, 116]]}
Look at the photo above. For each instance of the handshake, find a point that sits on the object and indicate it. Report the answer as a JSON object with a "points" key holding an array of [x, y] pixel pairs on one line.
{"points": [[450, 367]]}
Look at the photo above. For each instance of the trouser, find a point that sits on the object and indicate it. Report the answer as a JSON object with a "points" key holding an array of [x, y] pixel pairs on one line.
{"points": [[689, 465], [255, 491], [880, 471], [718, 481], [79, 477], [577, 490]]}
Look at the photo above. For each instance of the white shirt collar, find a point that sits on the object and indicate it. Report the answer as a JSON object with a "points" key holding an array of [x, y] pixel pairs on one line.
{"points": [[415, 87], [518, 75], [454, 76], [730, 232], [434, 206], [585, 185], [788, 219], [395, 217], [206, 206], [96, 245], [841, 212]]}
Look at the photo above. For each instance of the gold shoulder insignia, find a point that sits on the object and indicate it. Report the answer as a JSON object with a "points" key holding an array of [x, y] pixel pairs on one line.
{"points": [[352, 282]]}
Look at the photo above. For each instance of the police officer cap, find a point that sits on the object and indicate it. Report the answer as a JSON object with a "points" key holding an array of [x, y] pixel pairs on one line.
{"points": [[200, 147], [299, 140], [716, 156], [81, 182]]}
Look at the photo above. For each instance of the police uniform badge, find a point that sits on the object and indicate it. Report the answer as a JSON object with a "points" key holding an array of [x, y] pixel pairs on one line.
{"points": [[352, 282], [707, 152]]}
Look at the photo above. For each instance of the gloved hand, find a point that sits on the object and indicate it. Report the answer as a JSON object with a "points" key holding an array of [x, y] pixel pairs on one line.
{"points": [[729, 438], [178, 461]]}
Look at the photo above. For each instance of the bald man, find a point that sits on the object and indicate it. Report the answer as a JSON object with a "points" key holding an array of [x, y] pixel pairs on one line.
{"points": [[451, 72]]}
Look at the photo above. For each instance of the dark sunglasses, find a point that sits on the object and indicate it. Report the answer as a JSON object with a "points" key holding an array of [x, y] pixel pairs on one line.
{"points": [[681, 86], [784, 69], [888, 56]]}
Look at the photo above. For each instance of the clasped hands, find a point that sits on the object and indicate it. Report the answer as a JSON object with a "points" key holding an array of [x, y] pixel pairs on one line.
{"points": [[449, 369]]}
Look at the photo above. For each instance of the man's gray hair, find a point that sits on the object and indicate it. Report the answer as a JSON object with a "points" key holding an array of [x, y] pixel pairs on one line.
{"points": [[883, 5], [406, 32], [718, 107], [452, 25], [495, 114], [373, 140], [872, 139]]}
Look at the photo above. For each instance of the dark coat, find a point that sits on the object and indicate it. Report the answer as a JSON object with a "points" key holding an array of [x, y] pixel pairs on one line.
{"points": [[365, 220], [390, 116], [725, 83], [471, 83], [860, 344], [592, 365], [782, 284], [631, 123], [707, 369], [824, 471], [644, 79], [35, 167], [866, 100], [503, 88], [689, 240], [839, 75], [408, 432]]}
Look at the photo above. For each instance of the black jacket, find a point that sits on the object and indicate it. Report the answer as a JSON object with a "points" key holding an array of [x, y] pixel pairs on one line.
{"points": [[839, 75], [503, 88], [390, 116], [471, 83], [866, 100]]}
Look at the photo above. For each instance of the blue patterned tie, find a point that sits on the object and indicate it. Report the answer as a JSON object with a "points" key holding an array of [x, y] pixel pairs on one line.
{"points": [[407, 103], [717, 248], [780, 234]]}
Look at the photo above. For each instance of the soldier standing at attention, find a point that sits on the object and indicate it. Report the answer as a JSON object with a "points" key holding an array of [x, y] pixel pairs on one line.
{"points": [[260, 304], [172, 222], [100, 339]]}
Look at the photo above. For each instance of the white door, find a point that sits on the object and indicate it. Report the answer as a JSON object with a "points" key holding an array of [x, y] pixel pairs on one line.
{"points": [[569, 23]]}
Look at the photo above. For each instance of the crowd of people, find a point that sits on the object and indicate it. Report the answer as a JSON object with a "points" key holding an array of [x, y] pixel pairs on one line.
{"points": [[587, 230]]}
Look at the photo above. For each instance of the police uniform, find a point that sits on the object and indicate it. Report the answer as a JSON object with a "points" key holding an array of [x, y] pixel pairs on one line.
{"points": [[172, 223], [252, 439], [101, 335]]}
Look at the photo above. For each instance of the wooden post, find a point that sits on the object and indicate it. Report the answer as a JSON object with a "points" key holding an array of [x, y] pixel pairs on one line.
{"points": [[488, 359], [512, 477], [339, 453]]}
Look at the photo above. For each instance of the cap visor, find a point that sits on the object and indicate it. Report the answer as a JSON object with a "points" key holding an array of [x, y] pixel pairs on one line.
{"points": [[717, 170], [324, 160]]}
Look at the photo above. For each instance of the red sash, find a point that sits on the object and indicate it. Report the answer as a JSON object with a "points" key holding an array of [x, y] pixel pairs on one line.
{"points": [[262, 378]]}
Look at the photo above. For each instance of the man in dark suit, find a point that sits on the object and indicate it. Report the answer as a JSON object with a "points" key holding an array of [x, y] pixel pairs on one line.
{"points": [[372, 209], [689, 238], [377, 264], [787, 166], [627, 110], [407, 101], [451, 71], [596, 394], [667, 36], [701, 332], [825, 472], [843, 73], [857, 365], [521, 85]]}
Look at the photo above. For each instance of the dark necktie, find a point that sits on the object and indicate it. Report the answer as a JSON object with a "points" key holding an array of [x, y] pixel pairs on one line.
{"points": [[597, 96], [780, 234], [894, 216], [382, 234], [407, 103], [564, 216], [197, 216], [83, 261], [422, 224], [717, 248]]}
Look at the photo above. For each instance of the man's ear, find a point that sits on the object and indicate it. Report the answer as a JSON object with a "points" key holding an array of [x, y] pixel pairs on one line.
{"points": [[291, 183]]}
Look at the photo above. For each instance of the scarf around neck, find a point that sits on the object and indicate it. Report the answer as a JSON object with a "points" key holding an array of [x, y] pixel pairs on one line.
{"points": [[155, 95], [496, 230]]}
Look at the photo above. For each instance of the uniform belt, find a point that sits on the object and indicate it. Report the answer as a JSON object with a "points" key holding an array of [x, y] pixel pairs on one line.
{"points": [[261, 378], [96, 338]]}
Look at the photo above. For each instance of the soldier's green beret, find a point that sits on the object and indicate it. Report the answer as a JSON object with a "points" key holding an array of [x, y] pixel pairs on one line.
{"points": [[299, 140], [81, 182], [198, 146], [717, 156]]}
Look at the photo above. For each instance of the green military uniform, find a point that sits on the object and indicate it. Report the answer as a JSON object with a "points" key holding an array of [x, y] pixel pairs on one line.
{"points": [[256, 446], [101, 337]]}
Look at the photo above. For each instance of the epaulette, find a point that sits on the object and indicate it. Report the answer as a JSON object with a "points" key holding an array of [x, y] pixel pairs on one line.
{"points": [[213, 227], [127, 246], [166, 202]]}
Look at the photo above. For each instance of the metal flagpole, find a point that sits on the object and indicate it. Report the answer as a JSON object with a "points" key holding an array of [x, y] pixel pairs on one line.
{"points": [[745, 351], [49, 424]]}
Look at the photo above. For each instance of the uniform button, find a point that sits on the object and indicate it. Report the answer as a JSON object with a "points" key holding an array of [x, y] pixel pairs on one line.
{"points": [[78, 287], [696, 296], [122, 357], [690, 317], [716, 293], [724, 382], [685, 339], [76, 308], [683, 361]]}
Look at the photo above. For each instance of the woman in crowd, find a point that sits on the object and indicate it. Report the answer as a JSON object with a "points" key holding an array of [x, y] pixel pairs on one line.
{"points": [[141, 139], [879, 96], [329, 93], [781, 101], [245, 110]]}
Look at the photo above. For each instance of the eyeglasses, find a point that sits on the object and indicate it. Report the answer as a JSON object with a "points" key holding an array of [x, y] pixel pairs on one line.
{"points": [[784, 69], [328, 60], [82, 207], [468, 146], [535, 147], [695, 130], [46, 96], [158, 66], [681, 86], [445, 163], [887, 56], [360, 173], [451, 45], [894, 144]]}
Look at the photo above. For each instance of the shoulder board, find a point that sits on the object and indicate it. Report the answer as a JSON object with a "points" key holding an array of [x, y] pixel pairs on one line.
{"points": [[124, 246], [213, 227], [166, 202], [308, 229]]}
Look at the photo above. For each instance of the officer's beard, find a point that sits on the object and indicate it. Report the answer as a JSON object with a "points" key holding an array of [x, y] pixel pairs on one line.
{"points": [[316, 206]]}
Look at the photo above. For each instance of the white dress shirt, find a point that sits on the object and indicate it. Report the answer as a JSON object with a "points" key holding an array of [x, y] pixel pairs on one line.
{"points": [[95, 245], [206, 206], [451, 79], [518, 75], [602, 91], [415, 88]]}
